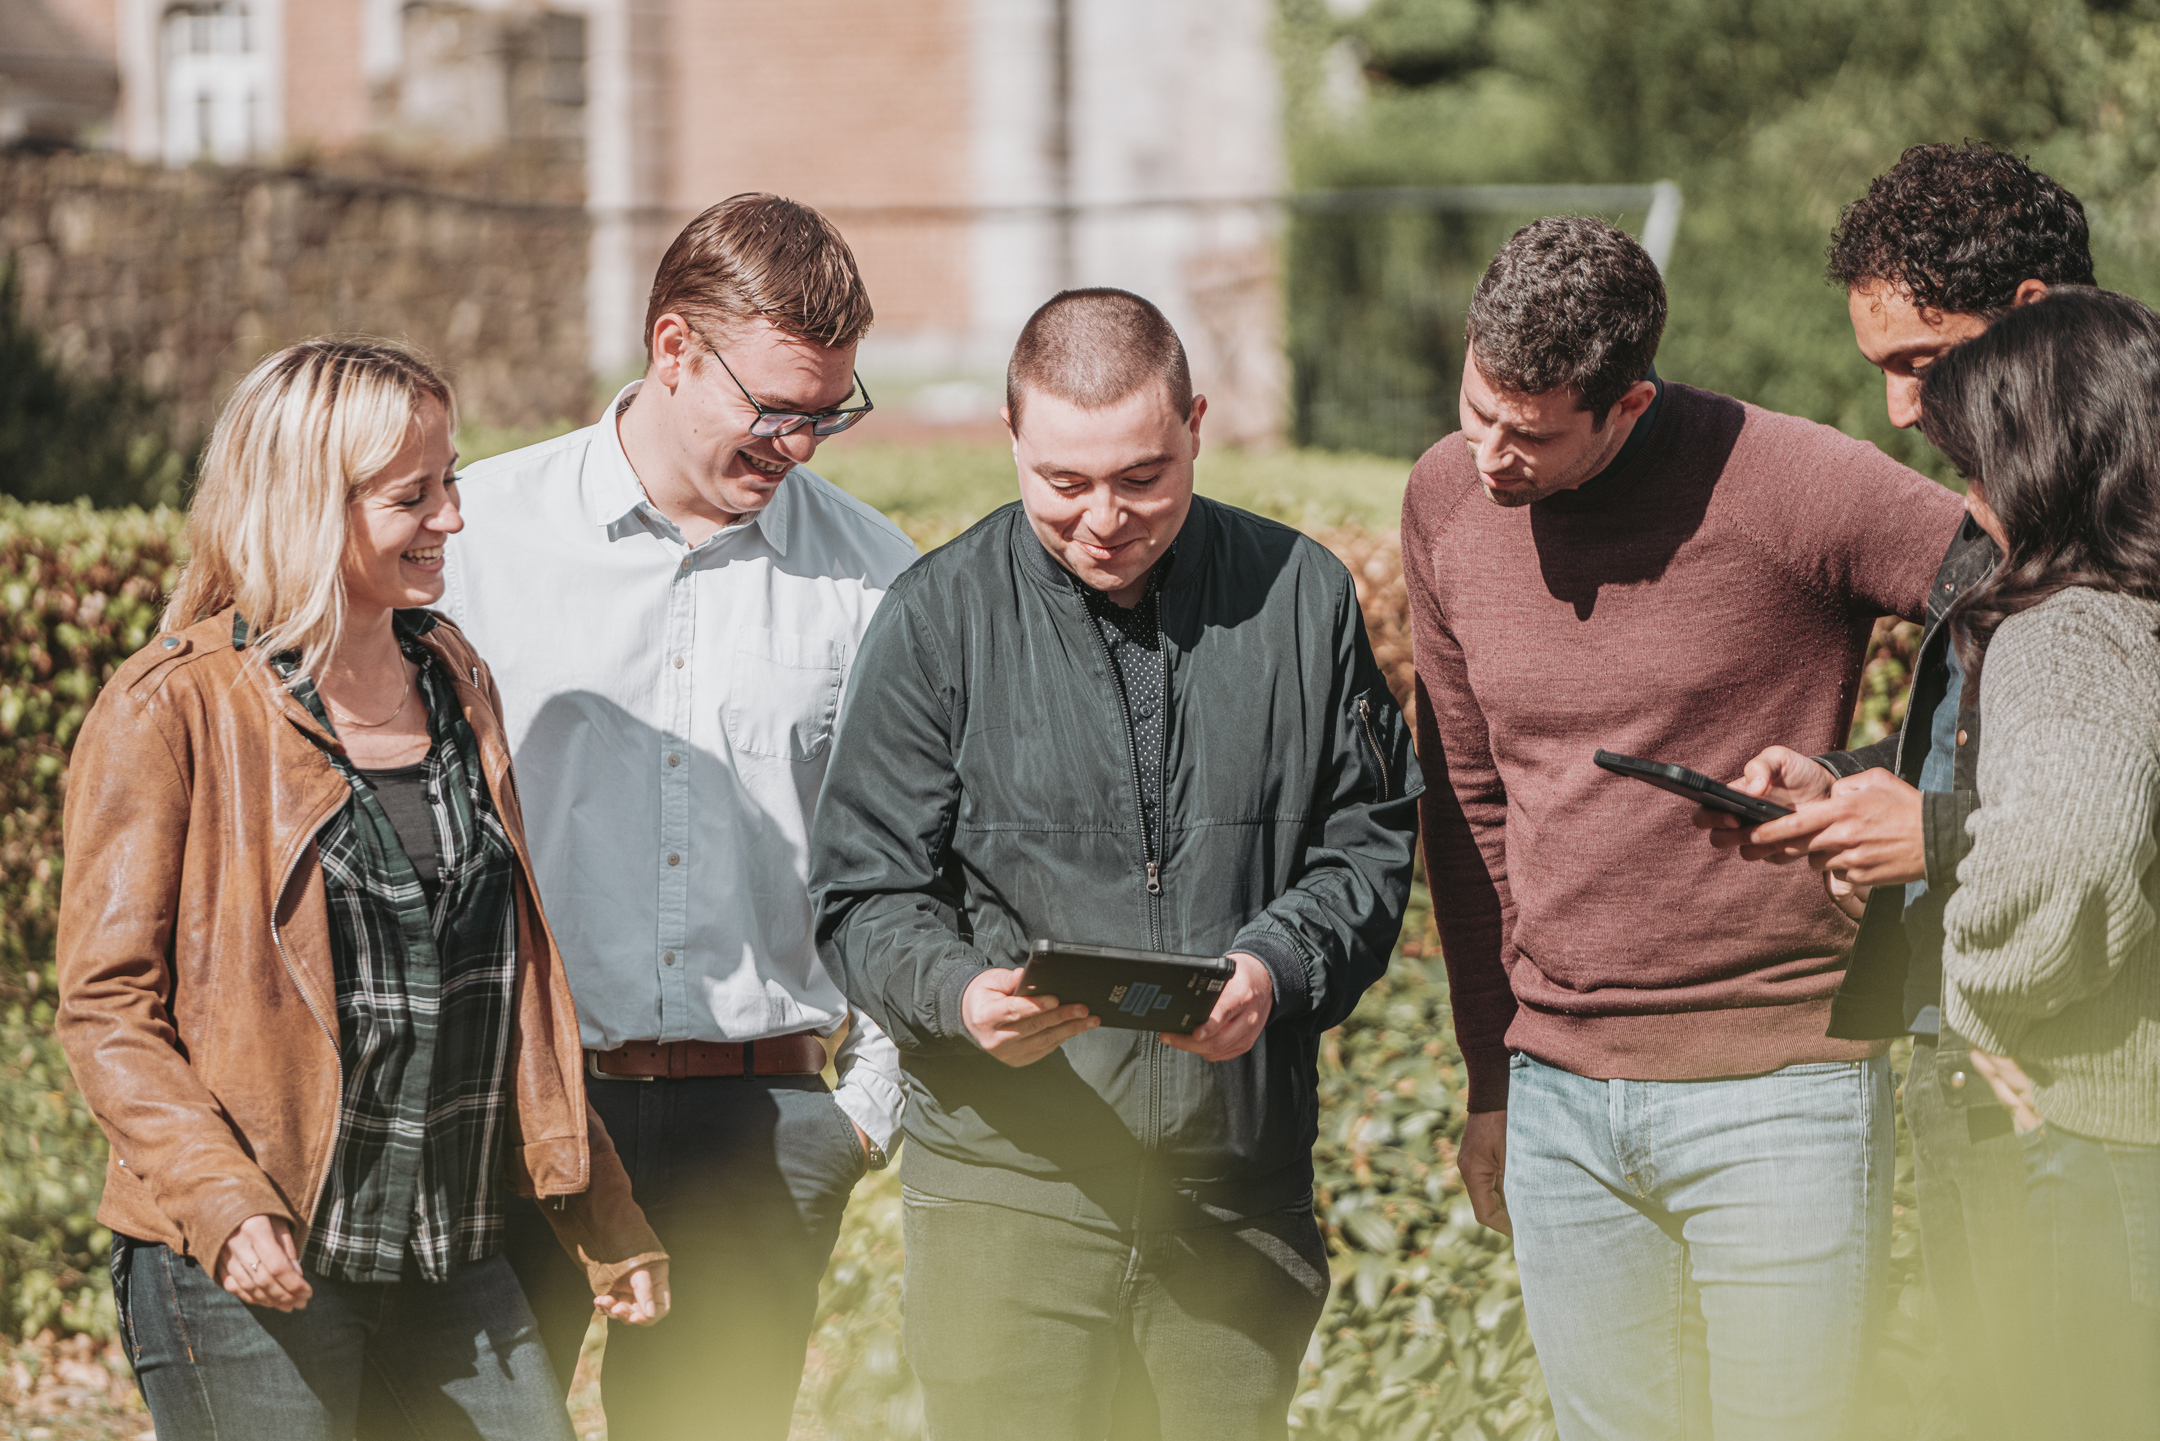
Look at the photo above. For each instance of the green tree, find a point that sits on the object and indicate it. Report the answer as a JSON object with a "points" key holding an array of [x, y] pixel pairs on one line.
{"points": [[1771, 115]]}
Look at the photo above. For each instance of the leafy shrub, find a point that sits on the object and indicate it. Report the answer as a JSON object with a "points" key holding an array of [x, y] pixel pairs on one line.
{"points": [[80, 591], [1423, 1331]]}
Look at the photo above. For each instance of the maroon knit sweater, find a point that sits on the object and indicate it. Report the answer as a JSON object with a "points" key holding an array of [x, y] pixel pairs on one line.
{"points": [[1711, 598]]}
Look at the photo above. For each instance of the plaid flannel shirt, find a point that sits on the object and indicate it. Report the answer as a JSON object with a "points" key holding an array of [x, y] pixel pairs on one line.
{"points": [[425, 993]]}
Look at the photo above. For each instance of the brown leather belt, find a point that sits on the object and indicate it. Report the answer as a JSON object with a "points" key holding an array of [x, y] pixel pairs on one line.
{"points": [[800, 1054]]}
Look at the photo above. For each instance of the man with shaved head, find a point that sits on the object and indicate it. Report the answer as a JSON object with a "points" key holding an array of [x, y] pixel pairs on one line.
{"points": [[1118, 714]]}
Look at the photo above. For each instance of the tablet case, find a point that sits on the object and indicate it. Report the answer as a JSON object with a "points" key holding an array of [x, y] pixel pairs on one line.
{"points": [[1129, 990]]}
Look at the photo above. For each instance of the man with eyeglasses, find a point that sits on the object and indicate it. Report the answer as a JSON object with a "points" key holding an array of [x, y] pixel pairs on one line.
{"points": [[671, 604]]}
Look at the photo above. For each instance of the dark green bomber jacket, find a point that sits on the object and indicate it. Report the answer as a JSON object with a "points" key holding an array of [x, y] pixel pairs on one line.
{"points": [[982, 794]]}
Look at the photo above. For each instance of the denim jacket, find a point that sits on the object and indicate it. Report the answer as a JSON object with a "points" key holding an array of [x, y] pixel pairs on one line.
{"points": [[1883, 989]]}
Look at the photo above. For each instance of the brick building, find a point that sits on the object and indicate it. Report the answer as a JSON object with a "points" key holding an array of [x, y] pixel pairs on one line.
{"points": [[980, 154]]}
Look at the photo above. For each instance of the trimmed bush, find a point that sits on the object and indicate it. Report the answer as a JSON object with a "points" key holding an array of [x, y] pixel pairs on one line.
{"points": [[80, 590], [1423, 1332]]}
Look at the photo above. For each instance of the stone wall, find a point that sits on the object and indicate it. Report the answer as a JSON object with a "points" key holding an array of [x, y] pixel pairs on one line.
{"points": [[181, 279]]}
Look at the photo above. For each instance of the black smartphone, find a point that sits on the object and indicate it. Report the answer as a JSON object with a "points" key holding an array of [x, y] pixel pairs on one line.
{"points": [[1694, 786], [1130, 990]]}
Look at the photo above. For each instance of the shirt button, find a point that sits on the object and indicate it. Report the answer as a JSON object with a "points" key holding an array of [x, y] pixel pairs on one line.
{"points": [[1961, 737], [1146, 711], [669, 958], [1957, 1080], [674, 760], [678, 662], [674, 859], [169, 642]]}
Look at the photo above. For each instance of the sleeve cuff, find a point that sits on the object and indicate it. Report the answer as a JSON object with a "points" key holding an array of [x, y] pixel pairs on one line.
{"points": [[949, 988], [1293, 987], [873, 1103], [1843, 763], [1943, 839], [1488, 1069]]}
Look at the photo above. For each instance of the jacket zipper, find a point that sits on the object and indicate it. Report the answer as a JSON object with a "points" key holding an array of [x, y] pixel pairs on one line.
{"points": [[1364, 715], [1148, 857], [1132, 756]]}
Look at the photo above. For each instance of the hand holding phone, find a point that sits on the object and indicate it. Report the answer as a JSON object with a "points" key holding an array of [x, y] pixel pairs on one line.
{"points": [[1780, 774], [1694, 786]]}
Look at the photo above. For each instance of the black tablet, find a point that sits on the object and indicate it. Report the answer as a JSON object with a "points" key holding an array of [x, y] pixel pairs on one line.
{"points": [[1131, 990], [1694, 786]]}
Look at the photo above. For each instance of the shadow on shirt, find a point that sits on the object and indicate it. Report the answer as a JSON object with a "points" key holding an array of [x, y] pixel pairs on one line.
{"points": [[1625, 529]]}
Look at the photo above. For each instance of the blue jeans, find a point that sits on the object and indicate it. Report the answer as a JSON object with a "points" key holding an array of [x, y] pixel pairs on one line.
{"points": [[2092, 1211], [1702, 1259], [461, 1359]]}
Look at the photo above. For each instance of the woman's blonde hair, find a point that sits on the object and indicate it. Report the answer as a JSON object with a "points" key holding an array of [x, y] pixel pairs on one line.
{"points": [[307, 431]]}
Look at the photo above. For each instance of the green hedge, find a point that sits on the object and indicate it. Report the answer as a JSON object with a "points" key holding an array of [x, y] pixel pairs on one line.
{"points": [[80, 590], [1423, 1332]]}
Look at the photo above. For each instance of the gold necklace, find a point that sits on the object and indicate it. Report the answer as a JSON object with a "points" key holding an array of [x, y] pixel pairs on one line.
{"points": [[356, 723]]}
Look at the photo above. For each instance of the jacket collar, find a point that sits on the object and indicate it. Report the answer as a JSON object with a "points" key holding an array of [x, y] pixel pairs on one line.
{"points": [[615, 499], [415, 624], [1971, 556], [1188, 553]]}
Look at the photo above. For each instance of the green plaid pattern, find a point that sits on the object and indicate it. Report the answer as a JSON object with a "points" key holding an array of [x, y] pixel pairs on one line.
{"points": [[425, 991]]}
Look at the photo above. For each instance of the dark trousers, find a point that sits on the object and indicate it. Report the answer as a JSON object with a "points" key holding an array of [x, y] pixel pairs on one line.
{"points": [[1023, 1325], [2093, 1211], [454, 1361], [744, 1179], [1970, 1178]]}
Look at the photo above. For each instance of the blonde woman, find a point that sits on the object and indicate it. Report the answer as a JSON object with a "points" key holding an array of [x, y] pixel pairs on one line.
{"points": [[305, 982]]}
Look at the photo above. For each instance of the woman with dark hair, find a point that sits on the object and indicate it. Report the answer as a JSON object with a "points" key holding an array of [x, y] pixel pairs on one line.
{"points": [[2051, 952]]}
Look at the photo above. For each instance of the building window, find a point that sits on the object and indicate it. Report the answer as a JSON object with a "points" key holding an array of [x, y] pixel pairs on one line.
{"points": [[216, 82]]}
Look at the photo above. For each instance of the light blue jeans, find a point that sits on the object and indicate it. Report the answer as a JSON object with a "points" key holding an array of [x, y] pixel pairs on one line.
{"points": [[1702, 1259]]}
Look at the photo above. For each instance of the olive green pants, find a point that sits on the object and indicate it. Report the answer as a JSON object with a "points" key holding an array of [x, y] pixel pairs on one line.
{"points": [[1024, 1325]]}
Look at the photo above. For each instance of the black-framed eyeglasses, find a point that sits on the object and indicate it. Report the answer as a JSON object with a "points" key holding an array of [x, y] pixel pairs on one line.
{"points": [[773, 423]]}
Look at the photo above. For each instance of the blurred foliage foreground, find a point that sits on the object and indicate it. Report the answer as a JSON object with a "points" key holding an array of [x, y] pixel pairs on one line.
{"points": [[1423, 1334]]}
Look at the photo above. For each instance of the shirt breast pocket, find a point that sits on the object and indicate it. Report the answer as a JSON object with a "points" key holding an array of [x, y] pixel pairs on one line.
{"points": [[783, 694]]}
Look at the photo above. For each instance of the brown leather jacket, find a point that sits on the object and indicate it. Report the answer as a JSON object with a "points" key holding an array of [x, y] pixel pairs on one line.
{"points": [[197, 999]]}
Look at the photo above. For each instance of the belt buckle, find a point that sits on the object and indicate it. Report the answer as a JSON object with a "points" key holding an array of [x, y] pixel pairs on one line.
{"points": [[592, 1069]]}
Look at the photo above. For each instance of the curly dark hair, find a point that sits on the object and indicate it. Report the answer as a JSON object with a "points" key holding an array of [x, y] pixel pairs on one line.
{"points": [[1957, 227], [2054, 414], [1568, 301]]}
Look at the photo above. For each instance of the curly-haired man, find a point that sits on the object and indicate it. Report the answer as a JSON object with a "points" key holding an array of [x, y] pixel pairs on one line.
{"points": [[1943, 242], [1696, 1176]]}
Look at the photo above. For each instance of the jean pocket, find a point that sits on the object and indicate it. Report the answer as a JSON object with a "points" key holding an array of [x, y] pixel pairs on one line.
{"points": [[2137, 1187], [848, 1138], [1821, 1068]]}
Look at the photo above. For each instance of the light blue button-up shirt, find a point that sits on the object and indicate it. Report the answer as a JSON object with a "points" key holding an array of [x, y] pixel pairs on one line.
{"points": [[671, 710]]}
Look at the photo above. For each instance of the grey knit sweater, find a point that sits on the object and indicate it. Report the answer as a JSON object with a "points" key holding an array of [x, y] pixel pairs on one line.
{"points": [[2050, 951]]}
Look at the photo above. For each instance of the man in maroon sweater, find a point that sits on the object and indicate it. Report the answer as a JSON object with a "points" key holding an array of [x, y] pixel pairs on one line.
{"points": [[1696, 1177]]}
